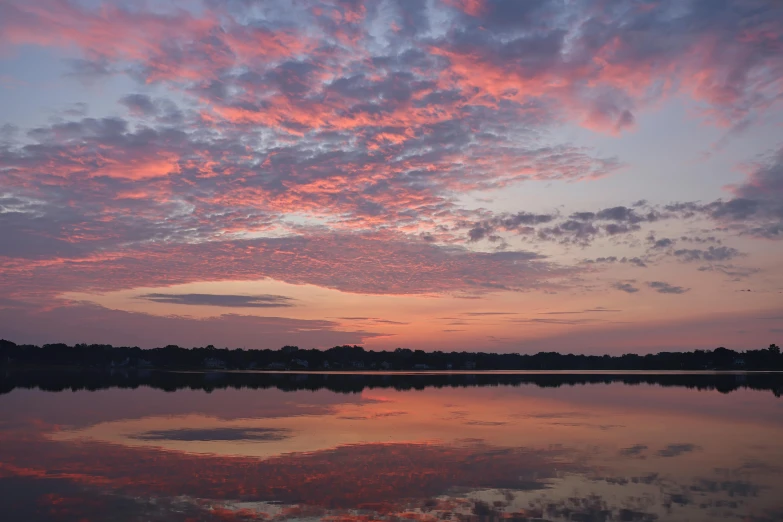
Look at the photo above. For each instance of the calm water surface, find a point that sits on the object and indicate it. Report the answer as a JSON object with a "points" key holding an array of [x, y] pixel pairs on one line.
{"points": [[584, 452]]}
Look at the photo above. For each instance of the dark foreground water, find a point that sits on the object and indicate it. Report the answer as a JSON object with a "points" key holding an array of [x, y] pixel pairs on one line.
{"points": [[247, 447]]}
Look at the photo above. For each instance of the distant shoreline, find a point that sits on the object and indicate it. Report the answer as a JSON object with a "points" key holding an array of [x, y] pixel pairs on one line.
{"points": [[352, 359]]}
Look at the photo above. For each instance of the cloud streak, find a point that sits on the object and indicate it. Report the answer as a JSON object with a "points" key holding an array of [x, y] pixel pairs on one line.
{"points": [[222, 300]]}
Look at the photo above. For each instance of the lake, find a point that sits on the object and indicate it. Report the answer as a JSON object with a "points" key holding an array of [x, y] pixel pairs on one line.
{"points": [[245, 447]]}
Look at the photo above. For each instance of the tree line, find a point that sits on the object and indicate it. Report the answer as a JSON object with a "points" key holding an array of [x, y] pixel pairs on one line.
{"points": [[356, 358]]}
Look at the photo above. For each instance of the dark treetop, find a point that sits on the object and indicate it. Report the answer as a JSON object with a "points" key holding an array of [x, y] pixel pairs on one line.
{"points": [[357, 358]]}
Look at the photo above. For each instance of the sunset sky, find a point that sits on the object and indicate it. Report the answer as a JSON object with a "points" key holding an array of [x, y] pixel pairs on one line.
{"points": [[583, 176]]}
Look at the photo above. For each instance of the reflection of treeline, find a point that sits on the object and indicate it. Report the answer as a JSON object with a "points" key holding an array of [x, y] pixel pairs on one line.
{"points": [[59, 380], [357, 358]]}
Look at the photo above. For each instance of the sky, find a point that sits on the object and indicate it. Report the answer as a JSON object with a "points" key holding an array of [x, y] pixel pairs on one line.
{"points": [[587, 176]]}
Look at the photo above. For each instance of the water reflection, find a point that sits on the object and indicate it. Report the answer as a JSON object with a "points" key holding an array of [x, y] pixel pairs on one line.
{"points": [[593, 452], [353, 382]]}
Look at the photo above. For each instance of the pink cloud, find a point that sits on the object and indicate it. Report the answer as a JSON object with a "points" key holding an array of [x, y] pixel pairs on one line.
{"points": [[354, 144], [347, 262]]}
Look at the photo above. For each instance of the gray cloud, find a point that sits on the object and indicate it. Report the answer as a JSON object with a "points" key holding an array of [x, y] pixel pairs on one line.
{"points": [[735, 273], [625, 215], [507, 223], [568, 322], [756, 209], [675, 450], [586, 311], [662, 243], [579, 227], [665, 288], [139, 104], [374, 320], [222, 300], [721, 253], [482, 314], [625, 287], [637, 261]]}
